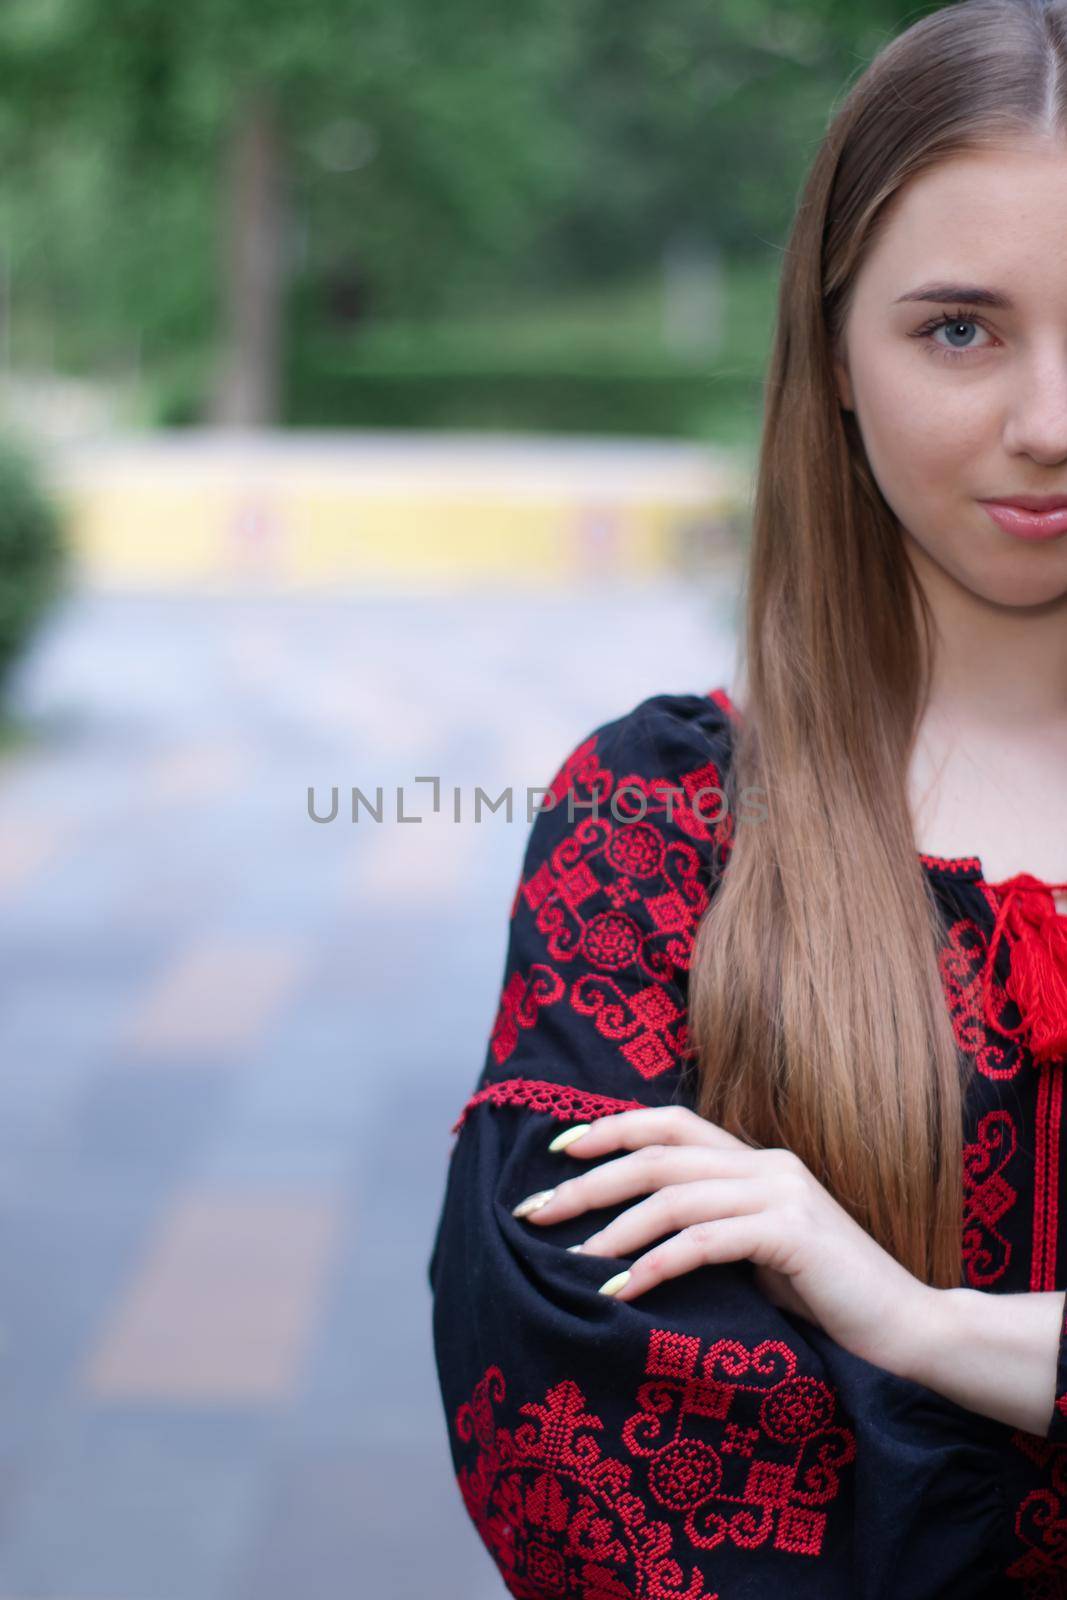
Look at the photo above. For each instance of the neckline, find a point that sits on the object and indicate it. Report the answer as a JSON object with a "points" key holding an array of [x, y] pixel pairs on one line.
{"points": [[955, 866], [969, 868]]}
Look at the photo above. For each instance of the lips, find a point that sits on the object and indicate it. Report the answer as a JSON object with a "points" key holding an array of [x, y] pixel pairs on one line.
{"points": [[1015, 519]]}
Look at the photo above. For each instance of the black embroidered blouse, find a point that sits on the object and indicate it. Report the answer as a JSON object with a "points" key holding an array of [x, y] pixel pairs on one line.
{"points": [[698, 1441]]}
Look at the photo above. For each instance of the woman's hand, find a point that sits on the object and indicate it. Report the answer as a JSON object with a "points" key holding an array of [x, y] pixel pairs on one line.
{"points": [[722, 1200]]}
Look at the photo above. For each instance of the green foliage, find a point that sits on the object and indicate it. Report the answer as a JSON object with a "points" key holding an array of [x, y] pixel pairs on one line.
{"points": [[590, 362], [655, 397], [33, 556], [419, 137], [439, 157]]}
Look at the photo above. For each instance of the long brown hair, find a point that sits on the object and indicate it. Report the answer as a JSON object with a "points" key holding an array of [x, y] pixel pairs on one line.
{"points": [[817, 1015]]}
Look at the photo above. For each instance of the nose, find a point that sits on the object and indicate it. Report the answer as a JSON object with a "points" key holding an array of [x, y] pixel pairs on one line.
{"points": [[1036, 424]]}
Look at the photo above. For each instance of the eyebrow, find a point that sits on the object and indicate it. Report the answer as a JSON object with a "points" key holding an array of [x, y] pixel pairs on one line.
{"points": [[969, 293]]}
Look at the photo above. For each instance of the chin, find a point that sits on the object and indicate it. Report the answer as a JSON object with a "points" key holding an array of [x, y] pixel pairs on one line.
{"points": [[1020, 590]]}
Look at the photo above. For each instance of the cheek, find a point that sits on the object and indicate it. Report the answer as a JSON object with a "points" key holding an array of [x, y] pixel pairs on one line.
{"points": [[922, 442], [929, 438], [913, 466]]}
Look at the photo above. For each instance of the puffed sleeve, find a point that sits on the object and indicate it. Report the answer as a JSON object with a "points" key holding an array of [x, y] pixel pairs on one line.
{"points": [[696, 1441]]}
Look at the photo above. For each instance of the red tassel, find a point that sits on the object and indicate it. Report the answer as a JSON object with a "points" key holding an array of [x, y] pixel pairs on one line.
{"points": [[1037, 935]]}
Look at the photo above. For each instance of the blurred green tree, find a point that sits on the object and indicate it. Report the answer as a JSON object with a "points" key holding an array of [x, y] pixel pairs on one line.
{"points": [[165, 168], [210, 178]]}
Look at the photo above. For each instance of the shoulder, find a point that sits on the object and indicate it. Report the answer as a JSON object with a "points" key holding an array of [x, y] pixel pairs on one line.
{"points": [[664, 761], [671, 735], [678, 725], [623, 852]]}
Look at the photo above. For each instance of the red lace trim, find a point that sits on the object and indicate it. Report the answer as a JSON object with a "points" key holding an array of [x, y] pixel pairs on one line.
{"points": [[560, 1100], [960, 866]]}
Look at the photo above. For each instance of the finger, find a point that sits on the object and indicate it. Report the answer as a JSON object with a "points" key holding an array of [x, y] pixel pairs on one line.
{"points": [[627, 1130], [645, 1169], [673, 1207], [704, 1244]]}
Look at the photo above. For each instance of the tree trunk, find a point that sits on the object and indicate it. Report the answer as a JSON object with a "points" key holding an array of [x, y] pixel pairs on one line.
{"points": [[248, 391]]}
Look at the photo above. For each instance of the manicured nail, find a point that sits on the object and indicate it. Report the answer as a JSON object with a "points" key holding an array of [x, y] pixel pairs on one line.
{"points": [[568, 1136], [575, 1249], [533, 1202], [614, 1284]]}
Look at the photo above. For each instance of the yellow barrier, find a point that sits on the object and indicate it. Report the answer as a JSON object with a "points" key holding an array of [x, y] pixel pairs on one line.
{"points": [[291, 510]]}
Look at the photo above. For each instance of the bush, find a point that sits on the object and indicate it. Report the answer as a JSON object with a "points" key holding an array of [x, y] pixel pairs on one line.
{"points": [[501, 390], [33, 555]]}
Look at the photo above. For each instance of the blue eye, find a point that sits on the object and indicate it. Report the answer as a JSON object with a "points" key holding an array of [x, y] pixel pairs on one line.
{"points": [[954, 321]]}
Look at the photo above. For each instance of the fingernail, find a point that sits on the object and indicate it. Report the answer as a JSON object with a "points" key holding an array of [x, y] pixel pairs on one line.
{"points": [[533, 1202], [575, 1249], [568, 1136], [614, 1284]]}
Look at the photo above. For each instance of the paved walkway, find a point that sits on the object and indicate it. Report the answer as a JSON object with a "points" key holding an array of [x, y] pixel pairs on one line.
{"points": [[233, 1043]]}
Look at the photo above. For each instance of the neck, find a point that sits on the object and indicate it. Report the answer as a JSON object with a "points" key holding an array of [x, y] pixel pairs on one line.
{"points": [[994, 664]]}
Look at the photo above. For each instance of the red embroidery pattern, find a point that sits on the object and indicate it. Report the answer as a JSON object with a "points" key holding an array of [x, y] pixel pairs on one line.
{"points": [[649, 1026], [581, 769], [563, 1516], [772, 1495], [566, 890], [988, 1196], [961, 962], [561, 1100], [520, 1001], [619, 897], [1048, 1119], [1040, 1523]]}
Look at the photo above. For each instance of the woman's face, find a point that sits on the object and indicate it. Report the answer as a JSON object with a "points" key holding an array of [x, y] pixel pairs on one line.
{"points": [[975, 409]]}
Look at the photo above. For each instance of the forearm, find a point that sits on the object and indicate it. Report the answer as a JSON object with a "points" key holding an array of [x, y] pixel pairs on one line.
{"points": [[992, 1353]]}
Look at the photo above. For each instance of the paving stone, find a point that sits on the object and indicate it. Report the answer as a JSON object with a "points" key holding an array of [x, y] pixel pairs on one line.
{"points": [[138, 1504], [234, 1042], [223, 1303]]}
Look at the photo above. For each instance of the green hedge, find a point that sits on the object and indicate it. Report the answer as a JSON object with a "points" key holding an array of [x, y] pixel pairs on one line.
{"points": [[475, 388], [34, 570], [389, 381]]}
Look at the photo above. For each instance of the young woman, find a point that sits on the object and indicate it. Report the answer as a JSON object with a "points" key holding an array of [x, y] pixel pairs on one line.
{"points": [[782, 1302]]}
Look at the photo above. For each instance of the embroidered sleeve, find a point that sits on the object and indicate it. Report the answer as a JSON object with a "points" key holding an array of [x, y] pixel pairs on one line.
{"points": [[1057, 1428], [697, 1441]]}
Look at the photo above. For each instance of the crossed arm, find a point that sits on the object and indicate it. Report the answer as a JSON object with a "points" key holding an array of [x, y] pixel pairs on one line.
{"points": [[1003, 1356], [993, 1353]]}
